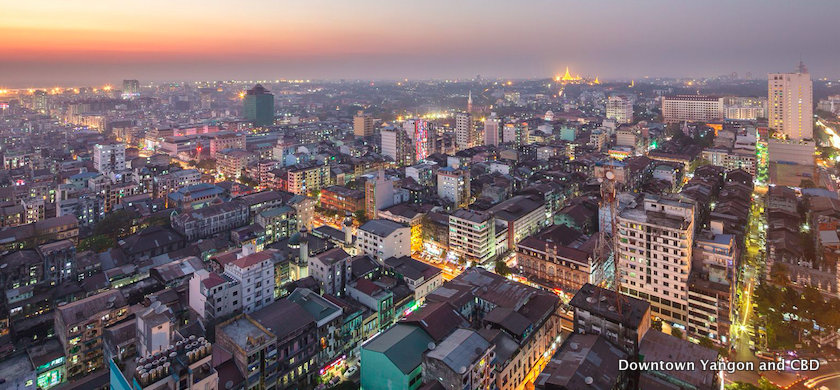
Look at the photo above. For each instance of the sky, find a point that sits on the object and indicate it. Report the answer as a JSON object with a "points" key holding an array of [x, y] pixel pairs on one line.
{"points": [[87, 42]]}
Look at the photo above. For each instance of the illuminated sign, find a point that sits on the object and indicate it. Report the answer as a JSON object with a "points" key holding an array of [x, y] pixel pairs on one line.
{"points": [[335, 363]]}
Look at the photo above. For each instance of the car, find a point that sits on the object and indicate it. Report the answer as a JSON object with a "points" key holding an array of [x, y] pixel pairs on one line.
{"points": [[351, 371]]}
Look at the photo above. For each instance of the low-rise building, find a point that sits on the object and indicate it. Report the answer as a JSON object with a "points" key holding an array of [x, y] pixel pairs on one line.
{"points": [[210, 220], [382, 239], [80, 326], [621, 319], [463, 360]]}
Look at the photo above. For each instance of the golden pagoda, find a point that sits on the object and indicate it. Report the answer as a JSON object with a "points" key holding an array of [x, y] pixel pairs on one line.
{"points": [[568, 78]]}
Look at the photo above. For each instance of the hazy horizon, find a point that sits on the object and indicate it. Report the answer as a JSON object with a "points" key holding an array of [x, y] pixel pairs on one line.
{"points": [[92, 42]]}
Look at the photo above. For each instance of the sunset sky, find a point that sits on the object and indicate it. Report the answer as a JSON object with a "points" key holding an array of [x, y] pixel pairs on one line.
{"points": [[53, 42]]}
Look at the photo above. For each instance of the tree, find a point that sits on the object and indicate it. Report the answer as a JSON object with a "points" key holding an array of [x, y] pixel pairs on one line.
{"points": [[676, 333], [361, 216], [656, 324], [502, 268], [97, 243], [779, 274], [706, 342], [207, 164], [807, 183], [116, 224], [742, 386], [765, 384], [248, 181]]}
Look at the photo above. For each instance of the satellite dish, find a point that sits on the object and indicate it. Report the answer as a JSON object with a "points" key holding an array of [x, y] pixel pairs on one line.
{"points": [[610, 175]]}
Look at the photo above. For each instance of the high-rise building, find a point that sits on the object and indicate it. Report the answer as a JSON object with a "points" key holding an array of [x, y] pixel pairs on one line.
{"points": [[472, 235], [379, 194], [464, 130], [131, 87], [254, 273], [109, 158], [397, 144], [790, 103], [362, 124], [516, 133], [491, 129], [692, 108], [259, 106], [744, 108], [654, 255], [423, 135], [620, 109], [454, 186]]}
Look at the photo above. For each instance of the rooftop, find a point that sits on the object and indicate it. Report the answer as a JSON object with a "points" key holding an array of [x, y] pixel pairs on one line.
{"points": [[283, 318], [602, 302], [403, 344], [584, 361], [87, 308], [381, 227], [245, 332], [460, 350]]}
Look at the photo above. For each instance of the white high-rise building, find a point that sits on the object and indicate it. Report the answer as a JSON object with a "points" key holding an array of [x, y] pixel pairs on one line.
{"points": [[472, 235], [389, 143], [654, 255], [790, 103], [491, 129], [620, 109], [453, 185], [108, 158], [692, 108], [464, 130], [254, 273], [397, 145]]}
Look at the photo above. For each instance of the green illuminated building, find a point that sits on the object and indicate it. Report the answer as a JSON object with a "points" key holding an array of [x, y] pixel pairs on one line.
{"points": [[258, 106]]}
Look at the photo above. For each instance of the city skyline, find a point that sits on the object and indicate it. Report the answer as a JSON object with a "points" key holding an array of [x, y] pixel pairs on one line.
{"points": [[97, 42]]}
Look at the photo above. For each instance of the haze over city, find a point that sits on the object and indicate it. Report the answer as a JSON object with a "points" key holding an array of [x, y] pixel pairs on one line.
{"points": [[49, 43], [419, 195]]}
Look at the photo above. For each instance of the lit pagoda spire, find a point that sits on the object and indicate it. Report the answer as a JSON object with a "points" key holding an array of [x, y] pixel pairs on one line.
{"points": [[567, 76], [596, 80]]}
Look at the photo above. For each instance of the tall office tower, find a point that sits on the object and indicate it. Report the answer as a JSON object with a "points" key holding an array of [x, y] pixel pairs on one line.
{"points": [[692, 108], [472, 235], [259, 106], [423, 134], [469, 103], [491, 129], [454, 186], [362, 124], [620, 109], [379, 194], [790, 103], [464, 130], [40, 102], [131, 87], [109, 158], [516, 133], [397, 145], [654, 255]]}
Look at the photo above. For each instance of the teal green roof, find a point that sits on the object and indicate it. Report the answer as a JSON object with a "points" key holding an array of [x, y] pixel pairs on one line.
{"points": [[403, 344]]}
